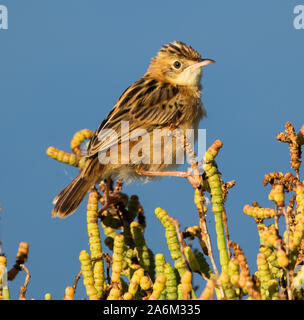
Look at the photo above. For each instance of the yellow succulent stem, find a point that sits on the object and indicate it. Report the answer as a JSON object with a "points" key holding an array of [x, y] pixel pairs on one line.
{"points": [[271, 257], [115, 292], [3, 278], [79, 137], [6, 293], [118, 250], [159, 270], [69, 293], [142, 249], [227, 286], [65, 157], [297, 234], [3, 270], [186, 284], [203, 264], [158, 287], [234, 271], [269, 286], [95, 243], [208, 291], [180, 292], [172, 240], [134, 284], [47, 296], [191, 258], [259, 213], [214, 181], [88, 276], [171, 283]]}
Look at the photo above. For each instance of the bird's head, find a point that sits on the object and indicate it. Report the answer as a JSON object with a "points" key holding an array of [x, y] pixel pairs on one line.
{"points": [[178, 64]]}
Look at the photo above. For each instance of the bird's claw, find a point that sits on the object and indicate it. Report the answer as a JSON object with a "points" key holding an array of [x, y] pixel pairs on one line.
{"points": [[112, 199]]}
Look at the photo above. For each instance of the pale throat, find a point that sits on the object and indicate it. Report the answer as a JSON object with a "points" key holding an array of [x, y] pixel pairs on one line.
{"points": [[189, 77]]}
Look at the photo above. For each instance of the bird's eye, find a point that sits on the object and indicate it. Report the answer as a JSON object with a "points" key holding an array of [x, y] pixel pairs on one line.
{"points": [[177, 64]]}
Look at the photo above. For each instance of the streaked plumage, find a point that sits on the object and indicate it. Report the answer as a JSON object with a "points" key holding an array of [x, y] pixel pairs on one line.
{"points": [[169, 93]]}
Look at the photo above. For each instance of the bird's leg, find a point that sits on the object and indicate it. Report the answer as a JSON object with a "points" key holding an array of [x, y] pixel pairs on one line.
{"points": [[192, 175], [111, 197], [107, 193], [104, 187], [182, 174], [114, 193]]}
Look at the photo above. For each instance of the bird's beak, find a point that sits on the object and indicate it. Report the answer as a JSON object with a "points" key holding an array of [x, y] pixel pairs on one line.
{"points": [[191, 75], [203, 63]]}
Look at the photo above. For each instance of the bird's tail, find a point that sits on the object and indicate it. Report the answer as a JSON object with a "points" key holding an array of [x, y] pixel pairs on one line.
{"points": [[68, 200]]}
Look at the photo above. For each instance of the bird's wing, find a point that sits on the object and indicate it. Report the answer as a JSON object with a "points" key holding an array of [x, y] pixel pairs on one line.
{"points": [[147, 104]]}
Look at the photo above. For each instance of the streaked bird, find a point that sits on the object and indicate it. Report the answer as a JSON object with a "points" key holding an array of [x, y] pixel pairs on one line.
{"points": [[168, 95]]}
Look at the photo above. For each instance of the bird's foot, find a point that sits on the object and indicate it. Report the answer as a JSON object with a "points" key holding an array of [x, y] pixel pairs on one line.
{"points": [[111, 199], [192, 175]]}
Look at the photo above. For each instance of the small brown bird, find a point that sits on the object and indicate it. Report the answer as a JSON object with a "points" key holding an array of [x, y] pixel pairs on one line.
{"points": [[169, 94]]}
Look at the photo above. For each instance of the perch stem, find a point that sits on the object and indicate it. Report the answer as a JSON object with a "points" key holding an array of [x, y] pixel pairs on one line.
{"points": [[289, 292], [76, 280], [26, 282], [226, 232], [203, 226]]}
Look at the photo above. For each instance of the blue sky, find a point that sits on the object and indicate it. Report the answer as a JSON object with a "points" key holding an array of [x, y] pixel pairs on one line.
{"points": [[64, 64]]}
